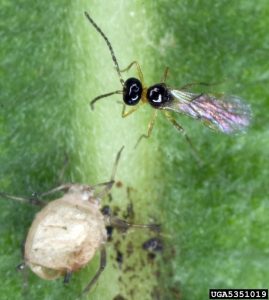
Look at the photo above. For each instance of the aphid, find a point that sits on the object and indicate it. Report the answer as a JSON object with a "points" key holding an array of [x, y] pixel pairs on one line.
{"points": [[227, 114], [119, 258], [67, 232], [154, 244]]}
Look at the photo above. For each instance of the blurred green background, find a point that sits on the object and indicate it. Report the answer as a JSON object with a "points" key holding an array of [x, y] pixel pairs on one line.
{"points": [[215, 217]]}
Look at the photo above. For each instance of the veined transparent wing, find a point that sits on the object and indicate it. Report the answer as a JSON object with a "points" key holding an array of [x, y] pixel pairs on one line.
{"points": [[228, 114]]}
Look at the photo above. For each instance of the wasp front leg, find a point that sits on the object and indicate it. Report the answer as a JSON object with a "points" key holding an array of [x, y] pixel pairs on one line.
{"points": [[125, 113]]}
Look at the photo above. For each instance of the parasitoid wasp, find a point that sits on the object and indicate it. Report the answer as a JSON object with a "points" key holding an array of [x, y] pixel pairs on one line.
{"points": [[225, 113]]}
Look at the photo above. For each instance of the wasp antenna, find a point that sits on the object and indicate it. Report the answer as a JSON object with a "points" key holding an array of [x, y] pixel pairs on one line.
{"points": [[103, 96], [108, 44]]}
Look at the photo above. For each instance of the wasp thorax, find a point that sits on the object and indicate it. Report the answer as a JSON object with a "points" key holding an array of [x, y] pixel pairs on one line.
{"points": [[158, 94], [64, 236], [132, 91]]}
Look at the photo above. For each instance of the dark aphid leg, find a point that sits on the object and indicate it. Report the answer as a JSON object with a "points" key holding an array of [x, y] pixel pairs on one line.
{"points": [[67, 277], [98, 273], [123, 225], [33, 200], [108, 185]]}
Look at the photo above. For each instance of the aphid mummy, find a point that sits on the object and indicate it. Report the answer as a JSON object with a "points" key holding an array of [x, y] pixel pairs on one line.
{"points": [[67, 232]]}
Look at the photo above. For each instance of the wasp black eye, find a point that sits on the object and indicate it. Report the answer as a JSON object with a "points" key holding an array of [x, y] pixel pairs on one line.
{"points": [[158, 94], [132, 91]]}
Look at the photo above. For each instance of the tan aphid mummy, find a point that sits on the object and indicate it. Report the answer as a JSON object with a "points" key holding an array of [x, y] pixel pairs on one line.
{"points": [[65, 234]]}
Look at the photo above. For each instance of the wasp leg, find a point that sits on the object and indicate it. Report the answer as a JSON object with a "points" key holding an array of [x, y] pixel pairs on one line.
{"points": [[150, 128], [98, 273], [108, 185], [165, 74], [138, 68], [182, 131], [124, 225]]}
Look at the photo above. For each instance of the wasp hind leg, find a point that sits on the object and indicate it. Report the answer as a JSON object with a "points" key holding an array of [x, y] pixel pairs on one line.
{"points": [[183, 132]]}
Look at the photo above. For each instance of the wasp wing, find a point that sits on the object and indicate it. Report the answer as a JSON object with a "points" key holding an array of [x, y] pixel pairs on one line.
{"points": [[228, 114]]}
